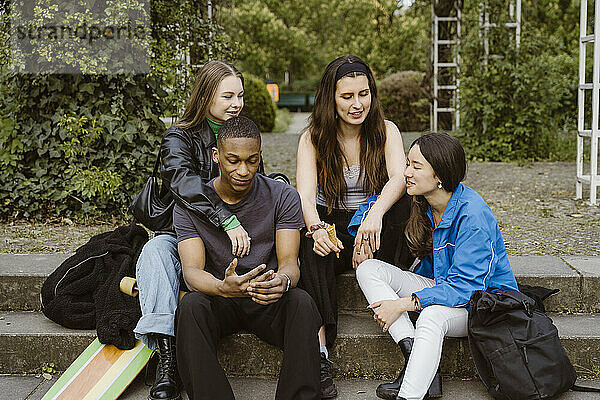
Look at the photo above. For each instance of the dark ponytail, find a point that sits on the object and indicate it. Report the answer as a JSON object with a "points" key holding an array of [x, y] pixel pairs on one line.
{"points": [[418, 231]]}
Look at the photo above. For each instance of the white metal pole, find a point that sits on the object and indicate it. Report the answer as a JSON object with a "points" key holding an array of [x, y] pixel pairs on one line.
{"points": [[434, 125], [518, 28], [581, 98], [486, 43], [595, 93]]}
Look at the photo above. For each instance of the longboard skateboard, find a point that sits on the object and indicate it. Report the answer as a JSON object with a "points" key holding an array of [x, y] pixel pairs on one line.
{"points": [[101, 372]]}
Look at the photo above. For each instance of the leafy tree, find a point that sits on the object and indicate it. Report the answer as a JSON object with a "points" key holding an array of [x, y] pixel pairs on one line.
{"points": [[258, 104], [183, 39], [301, 37], [272, 37]]}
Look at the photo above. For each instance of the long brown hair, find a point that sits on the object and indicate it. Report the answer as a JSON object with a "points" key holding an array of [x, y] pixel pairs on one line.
{"points": [[447, 158], [324, 129], [203, 93]]}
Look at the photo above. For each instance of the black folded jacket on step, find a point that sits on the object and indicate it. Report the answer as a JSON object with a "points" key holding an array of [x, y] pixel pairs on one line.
{"points": [[83, 292]]}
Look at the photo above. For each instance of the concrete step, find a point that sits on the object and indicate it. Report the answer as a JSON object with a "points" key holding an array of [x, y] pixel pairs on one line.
{"points": [[578, 278], [21, 279], [33, 388], [28, 341]]}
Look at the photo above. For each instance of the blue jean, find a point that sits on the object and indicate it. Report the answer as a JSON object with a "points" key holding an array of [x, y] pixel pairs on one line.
{"points": [[158, 271]]}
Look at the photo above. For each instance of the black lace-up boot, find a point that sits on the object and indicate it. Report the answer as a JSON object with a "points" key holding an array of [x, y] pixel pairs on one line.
{"points": [[166, 383], [390, 390], [328, 389]]}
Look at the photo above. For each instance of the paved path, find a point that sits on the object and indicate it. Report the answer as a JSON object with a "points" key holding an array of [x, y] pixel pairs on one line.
{"points": [[299, 122], [16, 387]]}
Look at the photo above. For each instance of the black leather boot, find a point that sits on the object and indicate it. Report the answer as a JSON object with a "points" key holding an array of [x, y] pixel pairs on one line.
{"points": [[389, 391], [166, 383], [435, 389]]}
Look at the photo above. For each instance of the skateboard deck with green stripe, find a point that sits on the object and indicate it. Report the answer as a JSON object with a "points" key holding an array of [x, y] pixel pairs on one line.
{"points": [[101, 372]]}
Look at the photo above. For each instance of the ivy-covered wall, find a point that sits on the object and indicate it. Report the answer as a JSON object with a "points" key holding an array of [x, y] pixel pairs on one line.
{"points": [[76, 145], [82, 145]]}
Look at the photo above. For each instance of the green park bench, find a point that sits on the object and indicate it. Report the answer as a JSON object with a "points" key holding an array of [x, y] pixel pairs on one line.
{"points": [[296, 101]]}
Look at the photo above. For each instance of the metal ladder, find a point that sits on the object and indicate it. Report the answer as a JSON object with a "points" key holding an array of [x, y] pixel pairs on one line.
{"points": [[438, 66], [594, 133], [514, 13]]}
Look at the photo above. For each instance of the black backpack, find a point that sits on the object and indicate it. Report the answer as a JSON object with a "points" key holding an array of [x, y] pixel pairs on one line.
{"points": [[516, 348]]}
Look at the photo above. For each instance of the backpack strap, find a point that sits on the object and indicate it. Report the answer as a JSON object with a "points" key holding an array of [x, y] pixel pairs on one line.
{"points": [[577, 388]]}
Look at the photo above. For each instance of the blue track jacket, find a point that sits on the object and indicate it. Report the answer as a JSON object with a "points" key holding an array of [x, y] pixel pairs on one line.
{"points": [[468, 253]]}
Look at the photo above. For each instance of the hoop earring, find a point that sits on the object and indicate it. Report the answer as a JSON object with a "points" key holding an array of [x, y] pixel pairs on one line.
{"points": [[440, 184]]}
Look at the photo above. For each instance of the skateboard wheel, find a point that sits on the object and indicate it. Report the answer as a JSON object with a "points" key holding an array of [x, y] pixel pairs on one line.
{"points": [[128, 285], [181, 294]]}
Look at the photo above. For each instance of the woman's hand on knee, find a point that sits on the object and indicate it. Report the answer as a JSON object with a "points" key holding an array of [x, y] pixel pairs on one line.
{"points": [[240, 241], [361, 253], [386, 312]]}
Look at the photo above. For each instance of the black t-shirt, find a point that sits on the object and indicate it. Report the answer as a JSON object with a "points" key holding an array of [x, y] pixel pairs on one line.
{"points": [[270, 205]]}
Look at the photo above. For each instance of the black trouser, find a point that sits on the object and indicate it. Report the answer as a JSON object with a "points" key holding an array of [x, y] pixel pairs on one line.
{"points": [[318, 274], [291, 323]]}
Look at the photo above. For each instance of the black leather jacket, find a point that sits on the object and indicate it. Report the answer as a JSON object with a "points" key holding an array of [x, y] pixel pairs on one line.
{"points": [[187, 166]]}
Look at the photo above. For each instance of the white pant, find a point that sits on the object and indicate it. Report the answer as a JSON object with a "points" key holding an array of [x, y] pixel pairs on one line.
{"points": [[382, 281]]}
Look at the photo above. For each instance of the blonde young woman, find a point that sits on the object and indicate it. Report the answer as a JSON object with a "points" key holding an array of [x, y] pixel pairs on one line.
{"points": [[348, 153]]}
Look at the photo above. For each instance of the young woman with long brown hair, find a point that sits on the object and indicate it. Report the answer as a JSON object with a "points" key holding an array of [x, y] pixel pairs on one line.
{"points": [[454, 233], [348, 153]]}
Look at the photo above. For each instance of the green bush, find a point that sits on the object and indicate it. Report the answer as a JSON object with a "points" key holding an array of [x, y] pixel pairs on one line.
{"points": [[76, 146], [258, 104], [404, 101], [513, 108]]}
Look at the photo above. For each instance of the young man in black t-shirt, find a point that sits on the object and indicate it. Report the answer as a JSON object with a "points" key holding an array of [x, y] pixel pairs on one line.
{"points": [[256, 292]]}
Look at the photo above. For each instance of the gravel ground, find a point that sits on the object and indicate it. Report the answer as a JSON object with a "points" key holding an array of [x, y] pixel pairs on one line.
{"points": [[534, 205]]}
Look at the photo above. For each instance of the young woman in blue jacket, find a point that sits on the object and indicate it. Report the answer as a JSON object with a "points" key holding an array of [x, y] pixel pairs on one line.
{"points": [[454, 233]]}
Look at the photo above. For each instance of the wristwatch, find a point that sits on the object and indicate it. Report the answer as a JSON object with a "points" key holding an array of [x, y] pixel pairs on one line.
{"points": [[416, 302]]}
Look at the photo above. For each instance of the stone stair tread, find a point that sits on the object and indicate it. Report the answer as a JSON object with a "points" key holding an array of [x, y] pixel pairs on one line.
{"points": [[529, 266], [35, 323], [349, 324], [30, 264], [33, 388], [28, 340]]}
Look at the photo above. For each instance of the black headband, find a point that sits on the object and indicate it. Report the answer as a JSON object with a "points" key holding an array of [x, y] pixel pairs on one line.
{"points": [[350, 67]]}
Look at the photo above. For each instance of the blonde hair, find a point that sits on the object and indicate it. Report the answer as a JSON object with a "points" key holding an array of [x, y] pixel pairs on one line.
{"points": [[203, 93]]}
